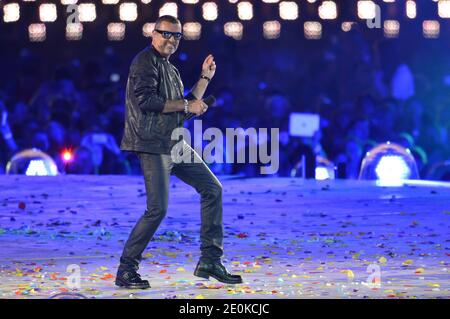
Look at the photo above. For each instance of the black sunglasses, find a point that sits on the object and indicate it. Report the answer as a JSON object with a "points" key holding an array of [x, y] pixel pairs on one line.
{"points": [[168, 34]]}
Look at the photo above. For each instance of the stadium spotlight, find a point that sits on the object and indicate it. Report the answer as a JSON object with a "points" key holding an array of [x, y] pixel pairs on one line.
{"points": [[234, 30], [391, 28], [116, 31], [271, 29], [288, 10], [431, 29], [192, 30], [444, 8], [366, 9], [128, 11], [74, 31], [37, 32], [11, 12], [169, 8], [328, 10], [47, 12], [210, 11], [147, 29], [411, 9], [87, 12], [245, 10], [313, 30]]}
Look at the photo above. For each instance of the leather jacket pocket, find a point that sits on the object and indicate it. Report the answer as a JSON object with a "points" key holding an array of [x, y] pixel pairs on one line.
{"points": [[146, 125]]}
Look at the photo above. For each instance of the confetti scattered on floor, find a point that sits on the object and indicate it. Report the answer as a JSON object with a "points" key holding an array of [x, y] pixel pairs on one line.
{"points": [[288, 238]]}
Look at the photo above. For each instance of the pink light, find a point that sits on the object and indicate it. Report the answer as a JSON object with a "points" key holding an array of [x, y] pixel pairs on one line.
{"points": [[67, 155]]}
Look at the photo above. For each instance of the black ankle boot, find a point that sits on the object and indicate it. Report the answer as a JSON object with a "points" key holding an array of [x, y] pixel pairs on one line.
{"points": [[127, 277], [215, 269]]}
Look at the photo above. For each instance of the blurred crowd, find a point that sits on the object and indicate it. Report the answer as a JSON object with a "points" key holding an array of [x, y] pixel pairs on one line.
{"points": [[366, 90]]}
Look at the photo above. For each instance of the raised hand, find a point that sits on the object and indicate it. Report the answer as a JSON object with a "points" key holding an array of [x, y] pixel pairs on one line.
{"points": [[209, 66]]}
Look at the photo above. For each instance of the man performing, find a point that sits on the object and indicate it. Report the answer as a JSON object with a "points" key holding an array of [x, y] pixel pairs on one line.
{"points": [[155, 106]]}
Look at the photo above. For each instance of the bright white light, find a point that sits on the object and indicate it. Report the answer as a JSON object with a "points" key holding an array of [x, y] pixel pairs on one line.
{"points": [[392, 169], [210, 11], [190, 1], [146, 1], [391, 28], [272, 29], [411, 10], [271, 1], [41, 168], [67, 2], [234, 30], [431, 29], [47, 12], [192, 30], [110, 1], [116, 31], [313, 30], [87, 12], [245, 10], [322, 173], [36, 168], [147, 29], [444, 8], [128, 11], [11, 12], [37, 32], [233, 1], [389, 1], [74, 31], [328, 10], [288, 10], [366, 9], [169, 8]]}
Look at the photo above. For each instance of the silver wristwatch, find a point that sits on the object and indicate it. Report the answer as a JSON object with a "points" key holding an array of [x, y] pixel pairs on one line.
{"points": [[186, 106]]}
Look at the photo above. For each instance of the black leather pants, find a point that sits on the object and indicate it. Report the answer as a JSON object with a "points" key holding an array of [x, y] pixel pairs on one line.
{"points": [[157, 169]]}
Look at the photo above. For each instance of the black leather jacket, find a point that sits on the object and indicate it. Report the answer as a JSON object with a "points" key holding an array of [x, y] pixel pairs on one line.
{"points": [[152, 80]]}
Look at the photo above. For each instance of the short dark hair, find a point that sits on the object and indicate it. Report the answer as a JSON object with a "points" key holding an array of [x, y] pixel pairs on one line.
{"points": [[166, 18]]}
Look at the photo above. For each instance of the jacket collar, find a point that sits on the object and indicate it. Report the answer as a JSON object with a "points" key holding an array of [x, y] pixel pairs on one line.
{"points": [[152, 48]]}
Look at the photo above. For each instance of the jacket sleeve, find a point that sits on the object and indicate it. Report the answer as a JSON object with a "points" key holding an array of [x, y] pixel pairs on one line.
{"points": [[145, 86]]}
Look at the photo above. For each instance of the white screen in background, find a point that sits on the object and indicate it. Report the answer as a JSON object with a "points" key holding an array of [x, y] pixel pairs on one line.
{"points": [[303, 124]]}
